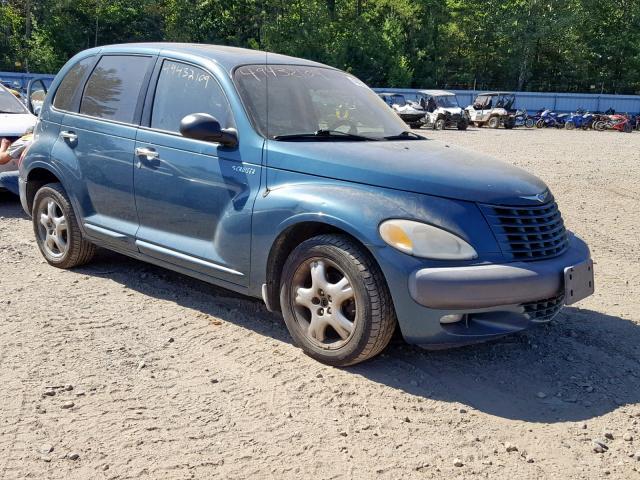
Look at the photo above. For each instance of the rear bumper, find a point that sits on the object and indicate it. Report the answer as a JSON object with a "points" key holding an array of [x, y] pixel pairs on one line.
{"points": [[459, 288], [22, 186]]}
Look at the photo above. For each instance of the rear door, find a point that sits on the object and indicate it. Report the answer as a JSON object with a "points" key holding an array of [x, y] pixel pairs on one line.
{"points": [[102, 139], [194, 198]]}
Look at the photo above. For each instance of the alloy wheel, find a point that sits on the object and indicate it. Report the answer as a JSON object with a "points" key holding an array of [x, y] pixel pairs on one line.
{"points": [[52, 228], [324, 303]]}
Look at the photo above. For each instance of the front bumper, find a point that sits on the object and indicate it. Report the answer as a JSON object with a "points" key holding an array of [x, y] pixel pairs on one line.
{"points": [[458, 288], [490, 300]]}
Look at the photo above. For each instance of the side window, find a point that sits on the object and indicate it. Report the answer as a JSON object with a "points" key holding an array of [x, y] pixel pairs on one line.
{"points": [[113, 88], [70, 83], [183, 89]]}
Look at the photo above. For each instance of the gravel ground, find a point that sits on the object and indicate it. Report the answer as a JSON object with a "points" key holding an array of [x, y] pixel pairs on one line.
{"points": [[122, 370]]}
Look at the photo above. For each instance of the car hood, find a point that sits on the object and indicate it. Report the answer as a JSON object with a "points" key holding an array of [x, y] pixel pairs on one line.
{"points": [[408, 109], [421, 166], [451, 110], [15, 124]]}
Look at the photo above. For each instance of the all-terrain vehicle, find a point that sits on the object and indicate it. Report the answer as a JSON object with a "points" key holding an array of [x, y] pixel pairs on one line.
{"points": [[493, 110], [409, 112], [442, 110]]}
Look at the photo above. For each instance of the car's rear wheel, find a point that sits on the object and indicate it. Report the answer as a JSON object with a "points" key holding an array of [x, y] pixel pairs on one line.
{"points": [[335, 301], [58, 234]]}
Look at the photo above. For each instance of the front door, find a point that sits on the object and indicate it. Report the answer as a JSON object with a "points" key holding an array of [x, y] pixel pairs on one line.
{"points": [[194, 199]]}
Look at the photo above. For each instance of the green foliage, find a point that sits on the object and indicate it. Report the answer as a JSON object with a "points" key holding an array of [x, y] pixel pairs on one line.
{"points": [[570, 45]]}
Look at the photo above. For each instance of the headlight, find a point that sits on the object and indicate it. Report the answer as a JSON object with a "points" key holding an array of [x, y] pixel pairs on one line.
{"points": [[425, 241]]}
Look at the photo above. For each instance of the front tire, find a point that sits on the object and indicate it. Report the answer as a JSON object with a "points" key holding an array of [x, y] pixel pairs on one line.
{"points": [[494, 122], [58, 234], [335, 301]]}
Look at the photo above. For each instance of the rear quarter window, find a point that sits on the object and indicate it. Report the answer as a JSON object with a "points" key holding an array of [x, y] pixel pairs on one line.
{"points": [[70, 84], [113, 89]]}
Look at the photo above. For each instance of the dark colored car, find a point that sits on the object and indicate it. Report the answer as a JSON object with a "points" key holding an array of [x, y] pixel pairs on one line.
{"points": [[241, 168]]}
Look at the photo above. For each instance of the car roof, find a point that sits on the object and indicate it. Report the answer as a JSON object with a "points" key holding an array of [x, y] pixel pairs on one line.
{"points": [[437, 93], [496, 93], [227, 57]]}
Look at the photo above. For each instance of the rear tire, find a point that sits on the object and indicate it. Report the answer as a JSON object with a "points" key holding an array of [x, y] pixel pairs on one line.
{"points": [[56, 228], [569, 125], [529, 123], [334, 272], [462, 125]]}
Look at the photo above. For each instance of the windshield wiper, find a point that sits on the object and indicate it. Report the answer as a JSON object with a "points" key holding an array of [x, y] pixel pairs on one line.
{"points": [[323, 134], [406, 135]]}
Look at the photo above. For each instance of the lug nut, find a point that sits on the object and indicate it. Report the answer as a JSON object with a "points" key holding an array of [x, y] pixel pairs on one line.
{"points": [[320, 311]]}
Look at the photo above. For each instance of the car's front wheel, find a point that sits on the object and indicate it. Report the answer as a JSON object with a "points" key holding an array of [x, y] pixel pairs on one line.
{"points": [[56, 228], [335, 301]]}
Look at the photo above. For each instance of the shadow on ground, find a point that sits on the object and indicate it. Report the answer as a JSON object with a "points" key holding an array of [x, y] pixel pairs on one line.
{"points": [[582, 365], [10, 206]]}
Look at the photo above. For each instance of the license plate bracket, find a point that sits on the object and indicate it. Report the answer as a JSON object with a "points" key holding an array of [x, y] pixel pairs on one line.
{"points": [[578, 282]]}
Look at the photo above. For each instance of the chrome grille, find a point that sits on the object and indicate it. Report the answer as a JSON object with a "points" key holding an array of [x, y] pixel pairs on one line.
{"points": [[544, 310], [528, 233]]}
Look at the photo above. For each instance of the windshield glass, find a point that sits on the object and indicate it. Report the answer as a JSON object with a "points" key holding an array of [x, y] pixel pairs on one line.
{"points": [[303, 99], [9, 103], [447, 101]]}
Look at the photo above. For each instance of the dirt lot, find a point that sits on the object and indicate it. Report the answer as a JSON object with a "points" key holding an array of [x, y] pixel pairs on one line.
{"points": [[123, 370]]}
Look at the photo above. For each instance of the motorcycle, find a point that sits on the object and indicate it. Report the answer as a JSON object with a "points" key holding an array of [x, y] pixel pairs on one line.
{"points": [[618, 122], [551, 119], [580, 119], [522, 119]]}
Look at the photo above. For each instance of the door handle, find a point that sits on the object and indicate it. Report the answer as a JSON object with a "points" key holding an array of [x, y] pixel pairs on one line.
{"points": [[149, 153], [70, 136]]}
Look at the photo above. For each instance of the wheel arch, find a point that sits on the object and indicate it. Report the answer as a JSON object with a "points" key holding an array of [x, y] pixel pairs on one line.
{"points": [[36, 178], [288, 239]]}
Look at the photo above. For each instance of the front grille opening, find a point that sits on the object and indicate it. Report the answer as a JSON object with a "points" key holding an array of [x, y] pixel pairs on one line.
{"points": [[544, 310], [531, 233]]}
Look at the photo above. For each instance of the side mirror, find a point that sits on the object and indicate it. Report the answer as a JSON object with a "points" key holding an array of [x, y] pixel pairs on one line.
{"points": [[202, 126], [36, 93]]}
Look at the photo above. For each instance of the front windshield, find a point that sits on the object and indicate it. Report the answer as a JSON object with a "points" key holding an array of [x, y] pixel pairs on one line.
{"points": [[290, 99], [9, 103], [447, 101]]}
